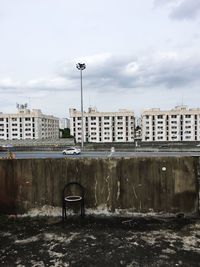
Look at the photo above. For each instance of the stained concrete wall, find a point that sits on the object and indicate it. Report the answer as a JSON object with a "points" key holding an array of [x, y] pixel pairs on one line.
{"points": [[131, 184]]}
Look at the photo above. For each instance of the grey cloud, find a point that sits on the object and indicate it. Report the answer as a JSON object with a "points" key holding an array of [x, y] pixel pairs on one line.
{"points": [[187, 9], [166, 71], [118, 74], [7, 89], [170, 73], [181, 9], [35, 87], [158, 3], [10, 89]]}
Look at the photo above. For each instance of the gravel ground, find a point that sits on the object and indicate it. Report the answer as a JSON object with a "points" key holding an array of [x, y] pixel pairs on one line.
{"points": [[97, 241]]}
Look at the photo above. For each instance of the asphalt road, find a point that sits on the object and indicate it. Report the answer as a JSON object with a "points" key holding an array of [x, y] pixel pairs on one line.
{"points": [[100, 154]]}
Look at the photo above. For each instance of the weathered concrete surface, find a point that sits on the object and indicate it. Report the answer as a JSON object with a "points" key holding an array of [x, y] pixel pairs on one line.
{"points": [[131, 184], [139, 242]]}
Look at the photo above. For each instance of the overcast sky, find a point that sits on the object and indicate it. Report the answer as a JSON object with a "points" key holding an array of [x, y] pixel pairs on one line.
{"points": [[139, 54]]}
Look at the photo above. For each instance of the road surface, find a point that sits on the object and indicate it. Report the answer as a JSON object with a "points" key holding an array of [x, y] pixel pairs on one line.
{"points": [[99, 154]]}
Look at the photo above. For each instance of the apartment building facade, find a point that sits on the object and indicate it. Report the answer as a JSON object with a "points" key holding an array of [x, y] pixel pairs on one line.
{"points": [[178, 124], [102, 127], [27, 124]]}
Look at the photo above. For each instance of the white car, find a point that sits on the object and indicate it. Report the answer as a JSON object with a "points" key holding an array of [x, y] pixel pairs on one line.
{"points": [[71, 151]]}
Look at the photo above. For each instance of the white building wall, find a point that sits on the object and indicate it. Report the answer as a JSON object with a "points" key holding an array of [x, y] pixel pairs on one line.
{"points": [[179, 124], [103, 126], [28, 124]]}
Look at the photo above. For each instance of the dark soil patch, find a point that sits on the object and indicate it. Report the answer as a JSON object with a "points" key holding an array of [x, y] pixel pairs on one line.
{"points": [[98, 241]]}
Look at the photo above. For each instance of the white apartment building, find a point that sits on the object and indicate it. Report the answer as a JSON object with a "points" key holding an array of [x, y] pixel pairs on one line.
{"points": [[26, 124], [103, 127], [178, 124]]}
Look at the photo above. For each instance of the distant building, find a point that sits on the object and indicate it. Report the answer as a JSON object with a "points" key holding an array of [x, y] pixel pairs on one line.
{"points": [[64, 123], [179, 124], [103, 127], [138, 130], [138, 133], [26, 124]]}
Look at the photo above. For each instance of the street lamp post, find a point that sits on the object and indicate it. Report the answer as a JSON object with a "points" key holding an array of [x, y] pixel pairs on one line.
{"points": [[81, 67]]}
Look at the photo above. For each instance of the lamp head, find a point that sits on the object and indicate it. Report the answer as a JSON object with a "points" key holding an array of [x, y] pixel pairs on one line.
{"points": [[81, 66]]}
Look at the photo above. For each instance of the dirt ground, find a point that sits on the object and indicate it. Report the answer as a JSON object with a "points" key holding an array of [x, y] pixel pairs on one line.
{"points": [[97, 241]]}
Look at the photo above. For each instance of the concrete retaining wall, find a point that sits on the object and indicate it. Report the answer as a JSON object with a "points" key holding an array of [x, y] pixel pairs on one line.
{"points": [[132, 184]]}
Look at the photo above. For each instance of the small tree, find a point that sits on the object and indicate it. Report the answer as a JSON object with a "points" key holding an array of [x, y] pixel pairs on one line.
{"points": [[65, 133]]}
